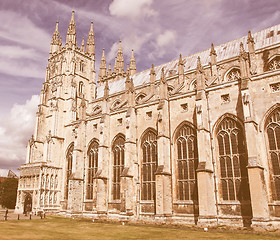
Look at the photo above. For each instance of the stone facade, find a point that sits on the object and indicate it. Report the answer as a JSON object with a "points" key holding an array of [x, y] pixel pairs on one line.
{"points": [[195, 140]]}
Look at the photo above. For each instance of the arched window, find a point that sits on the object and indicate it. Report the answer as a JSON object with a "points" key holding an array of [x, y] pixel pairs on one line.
{"points": [[186, 163], [233, 161], [118, 165], [149, 165], [92, 167], [233, 75], [273, 134], [69, 162], [81, 88], [274, 64]]}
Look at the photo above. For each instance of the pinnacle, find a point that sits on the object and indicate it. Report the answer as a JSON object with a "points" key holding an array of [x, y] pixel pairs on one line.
{"points": [[56, 27], [91, 26]]}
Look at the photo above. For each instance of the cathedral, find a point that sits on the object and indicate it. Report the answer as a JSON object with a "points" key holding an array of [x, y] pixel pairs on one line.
{"points": [[192, 141]]}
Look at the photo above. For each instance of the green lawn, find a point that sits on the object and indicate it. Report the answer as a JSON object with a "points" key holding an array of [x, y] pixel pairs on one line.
{"points": [[54, 227]]}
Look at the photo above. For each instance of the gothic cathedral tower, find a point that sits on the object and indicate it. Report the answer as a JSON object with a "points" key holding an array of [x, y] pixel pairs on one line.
{"points": [[68, 88]]}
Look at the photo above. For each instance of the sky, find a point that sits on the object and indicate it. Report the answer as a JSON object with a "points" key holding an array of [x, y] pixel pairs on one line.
{"points": [[157, 30]]}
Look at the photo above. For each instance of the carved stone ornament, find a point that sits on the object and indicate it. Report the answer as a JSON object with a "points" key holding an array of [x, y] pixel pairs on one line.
{"points": [[245, 98], [199, 109], [49, 137]]}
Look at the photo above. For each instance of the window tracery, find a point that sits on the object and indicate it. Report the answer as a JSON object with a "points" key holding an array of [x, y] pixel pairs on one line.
{"points": [[149, 165], [233, 75], [274, 64], [118, 165], [273, 134], [92, 167], [186, 163], [233, 161]]}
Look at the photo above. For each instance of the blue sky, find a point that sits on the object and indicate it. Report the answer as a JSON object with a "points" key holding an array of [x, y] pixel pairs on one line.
{"points": [[157, 30]]}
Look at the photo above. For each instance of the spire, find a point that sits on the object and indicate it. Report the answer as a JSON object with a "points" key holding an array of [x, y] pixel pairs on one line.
{"points": [[213, 55], [109, 73], [120, 60], [251, 43], [132, 64], [162, 76], [127, 70], [129, 84], [103, 67], [199, 66], [106, 90], [181, 68], [55, 43], [83, 45], [200, 80], [90, 41], [71, 32], [152, 77], [242, 53]]}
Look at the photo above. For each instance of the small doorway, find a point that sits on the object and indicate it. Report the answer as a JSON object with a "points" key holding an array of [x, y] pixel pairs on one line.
{"points": [[27, 204]]}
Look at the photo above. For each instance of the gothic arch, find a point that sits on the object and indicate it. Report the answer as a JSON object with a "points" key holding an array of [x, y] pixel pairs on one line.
{"points": [[226, 115], [272, 135], [232, 74], [179, 126], [267, 114], [91, 142], [139, 97], [232, 159], [273, 63], [149, 129], [193, 85]]}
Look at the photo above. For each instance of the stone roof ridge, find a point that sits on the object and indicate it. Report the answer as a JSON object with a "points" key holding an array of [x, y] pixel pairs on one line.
{"points": [[224, 51]]}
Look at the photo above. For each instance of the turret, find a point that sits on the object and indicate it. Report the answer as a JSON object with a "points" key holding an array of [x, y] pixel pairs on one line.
{"points": [[103, 67], [71, 33], [132, 64], [55, 43], [90, 41]]}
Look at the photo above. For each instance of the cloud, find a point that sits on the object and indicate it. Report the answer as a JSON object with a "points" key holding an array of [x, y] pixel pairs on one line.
{"points": [[166, 38], [132, 9], [20, 29], [15, 130]]}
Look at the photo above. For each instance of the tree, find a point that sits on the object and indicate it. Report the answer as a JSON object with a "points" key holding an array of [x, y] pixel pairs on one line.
{"points": [[8, 193]]}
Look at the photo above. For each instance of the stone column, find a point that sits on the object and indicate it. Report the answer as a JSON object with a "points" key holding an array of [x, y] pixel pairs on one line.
{"points": [[163, 173], [205, 177], [128, 188], [103, 157], [259, 201]]}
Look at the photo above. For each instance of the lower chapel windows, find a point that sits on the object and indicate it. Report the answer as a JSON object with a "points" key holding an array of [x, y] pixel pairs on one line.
{"points": [[92, 167], [118, 165], [273, 134], [232, 162], [186, 163], [149, 165]]}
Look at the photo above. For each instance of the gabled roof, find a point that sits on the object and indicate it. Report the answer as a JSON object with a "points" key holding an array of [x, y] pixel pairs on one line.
{"points": [[262, 39]]}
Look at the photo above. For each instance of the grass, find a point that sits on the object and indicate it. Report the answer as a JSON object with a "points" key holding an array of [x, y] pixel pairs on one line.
{"points": [[54, 227]]}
